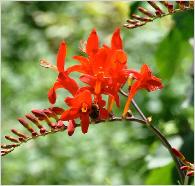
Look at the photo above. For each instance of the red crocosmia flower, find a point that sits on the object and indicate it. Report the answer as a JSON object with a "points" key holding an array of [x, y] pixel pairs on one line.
{"points": [[144, 80], [63, 80], [80, 108], [105, 68]]}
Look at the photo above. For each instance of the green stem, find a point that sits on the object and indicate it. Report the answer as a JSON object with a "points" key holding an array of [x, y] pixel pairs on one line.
{"points": [[164, 141], [160, 136]]}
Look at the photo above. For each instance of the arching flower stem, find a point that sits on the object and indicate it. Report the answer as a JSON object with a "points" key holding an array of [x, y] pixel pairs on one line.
{"points": [[159, 135]]}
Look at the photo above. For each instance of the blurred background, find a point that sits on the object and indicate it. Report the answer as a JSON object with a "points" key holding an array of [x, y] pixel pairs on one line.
{"points": [[117, 153]]}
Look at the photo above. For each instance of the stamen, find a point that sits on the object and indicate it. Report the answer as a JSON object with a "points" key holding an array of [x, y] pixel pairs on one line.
{"points": [[82, 46], [98, 87], [126, 107], [130, 80], [84, 107], [46, 64], [110, 103]]}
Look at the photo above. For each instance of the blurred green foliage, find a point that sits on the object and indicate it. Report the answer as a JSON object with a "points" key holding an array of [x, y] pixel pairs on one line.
{"points": [[113, 153]]}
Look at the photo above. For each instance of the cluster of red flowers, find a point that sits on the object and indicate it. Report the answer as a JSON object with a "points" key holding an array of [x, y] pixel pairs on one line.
{"points": [[104, 71]]}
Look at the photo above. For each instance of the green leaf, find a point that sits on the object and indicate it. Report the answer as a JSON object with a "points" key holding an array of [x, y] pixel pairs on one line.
{"points": [[160, 175], [184, 22], [168, 54]]}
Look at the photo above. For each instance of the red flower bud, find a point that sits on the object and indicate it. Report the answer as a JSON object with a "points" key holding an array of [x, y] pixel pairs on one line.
{"points": [[42, 130], [190, 173], [21, 139], [178, 154], [26, 125], [185, 167], [71, 127], [57, 110], [60, 124], [4, 146], [39, 114], [32, 118], [19, 133], [12, 139]]}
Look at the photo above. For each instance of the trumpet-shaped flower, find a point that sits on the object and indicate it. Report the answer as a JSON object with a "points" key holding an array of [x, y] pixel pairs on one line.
{"points": [[104, 70], [144, 80], [63, 80], [80, 108]]}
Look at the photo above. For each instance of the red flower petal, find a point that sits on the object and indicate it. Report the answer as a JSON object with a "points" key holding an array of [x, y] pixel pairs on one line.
{"points": [[61, 56], [132, 93], [120, 57], [145, 70], [104, 114], [68, 83], [82, 97], [52, 92], [92, 43], [116, 42], [88, 79], [84, 122], [100, 60], [82, 60], [71, 127], [70, 114], [153, 85]]}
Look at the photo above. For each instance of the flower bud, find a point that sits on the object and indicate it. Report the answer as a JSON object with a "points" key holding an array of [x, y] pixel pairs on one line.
{"points": [[12, 139]]}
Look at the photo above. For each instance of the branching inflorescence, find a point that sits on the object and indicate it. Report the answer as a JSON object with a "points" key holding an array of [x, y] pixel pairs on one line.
{"points": [[169, 8], [103, 70]]}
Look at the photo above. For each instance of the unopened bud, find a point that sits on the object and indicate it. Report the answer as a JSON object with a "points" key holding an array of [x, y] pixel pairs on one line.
{"points": [[6, 151], [60, 124], [27, 126], [33, 120], [156, 7], [181, 4], [185, 168], [4, 146], [39, 114], [146, 19], [19, 133], [190, 173], [42, 130], [12, 139], [21, 139], [146, 12], [129, 26], [49, 113], [132, 21], [57, 110]]}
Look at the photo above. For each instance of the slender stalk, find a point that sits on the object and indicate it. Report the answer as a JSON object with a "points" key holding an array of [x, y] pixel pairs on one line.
{"points": [[160, 136], [157, 17], [110, 120], [162, 139]]}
